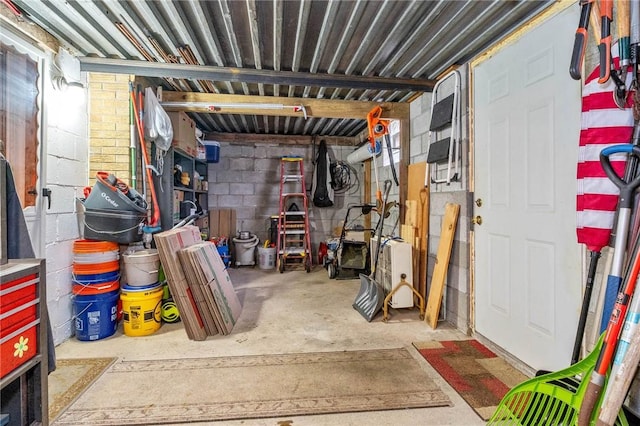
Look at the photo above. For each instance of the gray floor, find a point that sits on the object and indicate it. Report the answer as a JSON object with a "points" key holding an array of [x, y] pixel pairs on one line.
{"points": [[296, 312]]}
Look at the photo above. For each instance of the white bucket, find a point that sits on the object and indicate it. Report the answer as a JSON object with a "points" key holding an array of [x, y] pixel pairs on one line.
{"points": [[266, 257], [141, 267]]}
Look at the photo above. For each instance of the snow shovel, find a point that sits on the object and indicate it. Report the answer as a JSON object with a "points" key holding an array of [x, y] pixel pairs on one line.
{"points": [[370, 298]]}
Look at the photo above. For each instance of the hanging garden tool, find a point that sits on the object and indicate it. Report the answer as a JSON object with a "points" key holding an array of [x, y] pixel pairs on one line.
{"points": [[377, 128], [580, 43], [634, 49], [618, 313], [153, 222], [606, 16], [619, 73]]}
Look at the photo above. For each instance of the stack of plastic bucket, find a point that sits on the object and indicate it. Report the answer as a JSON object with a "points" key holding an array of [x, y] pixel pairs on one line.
{"points": [[142, 294], [96, 288]]}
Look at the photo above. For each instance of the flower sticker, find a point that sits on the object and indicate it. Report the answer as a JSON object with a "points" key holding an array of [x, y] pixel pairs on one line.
{"points": [[21, 347]]}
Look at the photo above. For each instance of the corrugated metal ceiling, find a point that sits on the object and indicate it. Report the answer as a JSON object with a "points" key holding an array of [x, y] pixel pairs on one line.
{"points": [[387, 39]]}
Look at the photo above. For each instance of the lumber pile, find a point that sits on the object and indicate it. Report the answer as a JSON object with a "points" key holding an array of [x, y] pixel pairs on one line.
{"points": [[199, 282]]}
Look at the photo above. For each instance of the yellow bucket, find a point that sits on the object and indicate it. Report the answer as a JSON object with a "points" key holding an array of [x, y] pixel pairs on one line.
{"points": [[141, 309]]}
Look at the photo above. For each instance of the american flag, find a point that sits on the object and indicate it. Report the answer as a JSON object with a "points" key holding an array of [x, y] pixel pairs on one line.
{"points": [[603, 124]]}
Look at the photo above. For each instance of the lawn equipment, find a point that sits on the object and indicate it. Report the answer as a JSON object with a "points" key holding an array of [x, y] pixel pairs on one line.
{"points": [[370, 297], [347, 253]]}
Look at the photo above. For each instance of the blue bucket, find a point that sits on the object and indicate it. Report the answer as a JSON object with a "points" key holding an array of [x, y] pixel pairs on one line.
{"points": [[96, 315], [223, 251], [97, 278]]}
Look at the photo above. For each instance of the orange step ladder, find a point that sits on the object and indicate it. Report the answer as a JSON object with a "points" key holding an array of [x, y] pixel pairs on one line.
{"points": [[294, 240]]}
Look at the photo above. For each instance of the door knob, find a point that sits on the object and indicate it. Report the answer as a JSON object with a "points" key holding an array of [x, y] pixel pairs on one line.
{"points": [[477, 220], [479, 202]]}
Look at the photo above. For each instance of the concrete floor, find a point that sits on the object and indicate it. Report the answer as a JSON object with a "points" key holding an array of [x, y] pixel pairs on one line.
{"points": [[296, 312]]}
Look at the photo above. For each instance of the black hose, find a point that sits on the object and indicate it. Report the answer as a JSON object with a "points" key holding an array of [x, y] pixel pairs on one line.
{"points": [[391, 163]]}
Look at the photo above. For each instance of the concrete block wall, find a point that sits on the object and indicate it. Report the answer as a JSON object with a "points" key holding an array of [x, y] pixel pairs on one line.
{"points": [[247, 179], [67, 152], [109, 125], [457, 296]]}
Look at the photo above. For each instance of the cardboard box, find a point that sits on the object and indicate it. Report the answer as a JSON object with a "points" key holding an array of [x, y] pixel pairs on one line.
{"points": [[219, 298], [169, 243], [184, 133]]}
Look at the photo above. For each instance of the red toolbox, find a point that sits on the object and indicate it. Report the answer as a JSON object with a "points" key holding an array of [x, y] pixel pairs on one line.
{"points": [[19, 306]]}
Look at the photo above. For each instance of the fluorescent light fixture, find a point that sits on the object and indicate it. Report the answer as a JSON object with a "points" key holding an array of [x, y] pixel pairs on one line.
{"points": [[222, 106]]}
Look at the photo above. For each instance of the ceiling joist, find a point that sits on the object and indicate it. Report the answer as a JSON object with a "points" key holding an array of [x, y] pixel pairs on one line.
{"points": [[201, 72], [258, 138], [315, 108]]}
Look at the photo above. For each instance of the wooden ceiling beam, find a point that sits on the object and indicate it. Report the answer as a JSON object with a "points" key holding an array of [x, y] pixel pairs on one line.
{"points": [[255, 138], [268, 105]]}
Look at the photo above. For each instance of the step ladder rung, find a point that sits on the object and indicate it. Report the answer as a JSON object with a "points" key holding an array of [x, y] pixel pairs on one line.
{"points": [[294, 226], [293, 194]]}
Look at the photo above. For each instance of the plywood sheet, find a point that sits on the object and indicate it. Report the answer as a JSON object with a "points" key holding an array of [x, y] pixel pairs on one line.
{"points": [[411, 213], [416, 180]]}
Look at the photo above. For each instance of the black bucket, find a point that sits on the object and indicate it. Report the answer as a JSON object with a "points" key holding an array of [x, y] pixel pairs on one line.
{"points": [[119, 226]]}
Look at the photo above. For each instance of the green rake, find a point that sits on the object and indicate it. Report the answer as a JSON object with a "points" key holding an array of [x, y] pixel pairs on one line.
{"points": [[551, 399]]}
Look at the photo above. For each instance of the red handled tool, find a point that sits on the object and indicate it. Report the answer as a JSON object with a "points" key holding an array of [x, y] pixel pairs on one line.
{"points": [[606, 16], [377, 128], [580, 43], [154, 223]]}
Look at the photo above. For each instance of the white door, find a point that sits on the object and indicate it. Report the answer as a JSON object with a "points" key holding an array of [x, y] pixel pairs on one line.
{"points": [[527, 260]]}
